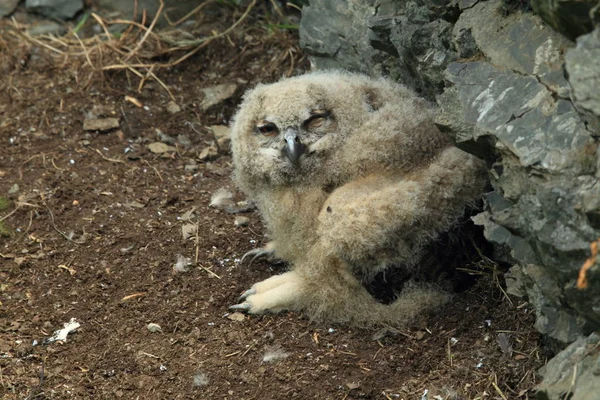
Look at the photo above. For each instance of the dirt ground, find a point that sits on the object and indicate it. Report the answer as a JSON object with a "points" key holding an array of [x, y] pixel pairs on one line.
{"points": [[94, 228]]}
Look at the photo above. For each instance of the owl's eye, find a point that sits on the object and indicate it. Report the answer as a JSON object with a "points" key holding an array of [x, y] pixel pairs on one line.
{"points": [[267, 129], [317, 118]]}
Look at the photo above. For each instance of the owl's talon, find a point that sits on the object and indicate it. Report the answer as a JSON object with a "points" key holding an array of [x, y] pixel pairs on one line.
{"points": [[247, 293], [244, 307], [257, 254]]}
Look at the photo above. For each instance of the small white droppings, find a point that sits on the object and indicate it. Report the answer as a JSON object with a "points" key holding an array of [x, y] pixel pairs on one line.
{"points": [[61, 334], [72, 162], [162, 368], [453, 341]]}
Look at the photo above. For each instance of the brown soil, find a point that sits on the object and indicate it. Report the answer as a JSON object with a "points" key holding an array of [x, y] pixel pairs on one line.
{"points": [[94, 225]]}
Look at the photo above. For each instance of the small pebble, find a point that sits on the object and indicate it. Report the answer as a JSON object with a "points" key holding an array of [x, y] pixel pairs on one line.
{"points": [[172, 107], [152, 327], [241, 221]]}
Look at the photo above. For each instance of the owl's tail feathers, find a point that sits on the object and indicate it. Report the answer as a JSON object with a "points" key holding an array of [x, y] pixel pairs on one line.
{"points": [[340, 298]]}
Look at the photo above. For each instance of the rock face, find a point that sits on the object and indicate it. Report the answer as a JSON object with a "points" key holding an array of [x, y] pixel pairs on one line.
{"points": [[7, 7], [570, 17], [559, 377], [499, 79], [409, 41], [60, 9], [583, 67]]}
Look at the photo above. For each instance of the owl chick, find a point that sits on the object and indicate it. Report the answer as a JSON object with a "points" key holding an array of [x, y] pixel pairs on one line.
{"points": [[352, 178]]}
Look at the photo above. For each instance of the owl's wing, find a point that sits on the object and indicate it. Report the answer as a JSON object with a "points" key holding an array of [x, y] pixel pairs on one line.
{"points": [[387, 217]]}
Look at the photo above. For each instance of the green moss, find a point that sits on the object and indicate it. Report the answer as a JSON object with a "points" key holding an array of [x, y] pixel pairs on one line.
{"points": [[4, 203], [5, 231]]}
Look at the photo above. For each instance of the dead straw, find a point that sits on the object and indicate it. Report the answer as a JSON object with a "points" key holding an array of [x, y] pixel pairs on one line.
{"points": [[135, 49]]}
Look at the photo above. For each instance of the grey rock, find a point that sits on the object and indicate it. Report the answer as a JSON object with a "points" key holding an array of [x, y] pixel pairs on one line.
{"points": [[154, 328], [222, 136], [573, 373], [224, 145], [425, 49], [183, 140], [7, 7], [521, 114], [47, 28], [544, 164], [14, 189], [163, 137], [175, 9], [240, 220], [60, 9], [464, 4], [208, 153], [583, 67], [513, 248], [216, 94], [220, 131], [172, 107], [519, 42], [379, 32], [160, 148], [465, 43], [192, 166], [333, 34], [403, 40], [100, 124], [569, 17]]}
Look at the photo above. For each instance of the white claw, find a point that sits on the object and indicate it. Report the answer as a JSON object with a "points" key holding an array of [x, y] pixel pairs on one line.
{"points": [[250, 253], [247, 293], [240, 307], [256, 254]]}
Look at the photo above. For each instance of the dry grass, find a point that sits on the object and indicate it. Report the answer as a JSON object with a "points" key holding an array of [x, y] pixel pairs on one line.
{"points": [[137, 49]]}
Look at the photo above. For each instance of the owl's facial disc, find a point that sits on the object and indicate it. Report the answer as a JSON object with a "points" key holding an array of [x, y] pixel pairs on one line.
{"points": [[293, 147]]}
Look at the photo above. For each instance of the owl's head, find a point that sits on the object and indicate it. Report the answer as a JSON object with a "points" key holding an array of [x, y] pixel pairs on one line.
{"points": [[296, 131]]}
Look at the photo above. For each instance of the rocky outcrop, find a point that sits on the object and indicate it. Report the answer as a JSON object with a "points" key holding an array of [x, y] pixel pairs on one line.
{"points": [[570, 17], [573, 371], [583, 67], [409, 41], [7, 7], [59, 9], [517, 93]]}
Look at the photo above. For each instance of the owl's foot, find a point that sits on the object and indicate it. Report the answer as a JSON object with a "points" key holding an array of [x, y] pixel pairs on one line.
{"points": [[275, 294], [257, 254], [267, 253]]}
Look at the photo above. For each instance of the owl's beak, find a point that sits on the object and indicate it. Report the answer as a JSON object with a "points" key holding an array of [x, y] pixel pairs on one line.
{"points": [[293, 148]]}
